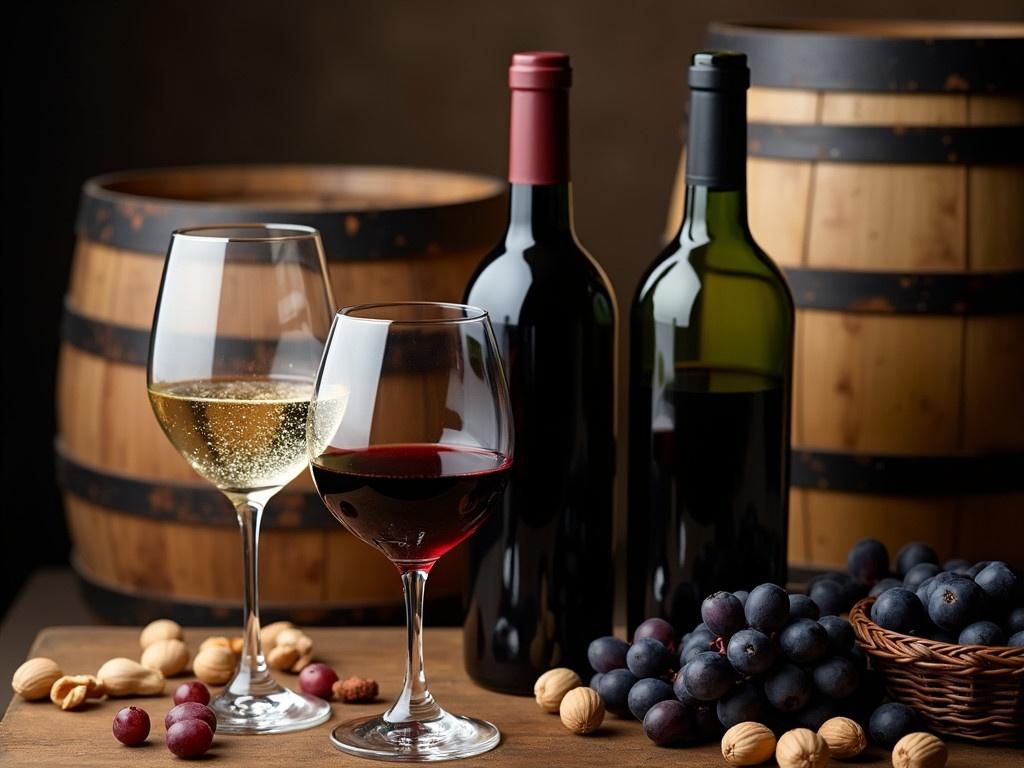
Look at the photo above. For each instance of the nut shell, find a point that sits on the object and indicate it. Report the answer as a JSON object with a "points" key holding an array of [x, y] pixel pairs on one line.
{"points": [[125, 677], [296, 638], [214, 665], [168, 656], [269, 633], [34, 679], [801, 748], [551, 687], [748, 743], [845, 737], [71, 691], [919, 750], [161, 629], [582, 710], [218, 641], [282, 657]]}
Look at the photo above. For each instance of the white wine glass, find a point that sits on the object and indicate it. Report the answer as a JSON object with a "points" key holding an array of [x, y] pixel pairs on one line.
{"points": [[240, 325]]}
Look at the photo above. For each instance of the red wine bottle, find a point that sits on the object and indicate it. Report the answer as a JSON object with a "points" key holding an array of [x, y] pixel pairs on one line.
{"points": [[711, 345], [541, 571]]}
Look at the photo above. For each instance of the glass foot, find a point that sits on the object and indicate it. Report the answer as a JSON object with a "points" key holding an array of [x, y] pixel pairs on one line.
{"points": [[275, 711], [446, 737]]}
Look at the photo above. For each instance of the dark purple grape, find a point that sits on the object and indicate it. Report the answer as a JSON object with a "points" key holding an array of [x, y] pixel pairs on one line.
{"points": [[840, 634], [193, 690], [613, 688], [709, 676], [741, 595], [723, 614], [977, 568], [191, 710], [830, 597], [708, 725], [659, 630], [680, 691], [885, 584], [646, 693], [999, 583], [868, 561], [802, 607], [698, 641], [804, 641], [926, 587], [744, 703], [916, 575], [957, 565], [891, 722], [751, 652], [817, 711], [955, 604], [595, 680], [1016, 640], [787, 687], [767, 608], [836, 677], [1014, 621], [982, 633], [189, 738], [914, 553], [899, 610], [131, 726], [668, 724], [648, 658], [607, 653]]}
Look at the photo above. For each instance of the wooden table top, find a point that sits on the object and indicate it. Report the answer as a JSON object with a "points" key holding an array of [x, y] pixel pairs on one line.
{"points": [[38, 733]]}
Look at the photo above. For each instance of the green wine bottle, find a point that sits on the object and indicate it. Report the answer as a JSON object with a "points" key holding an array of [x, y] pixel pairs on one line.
{"points": [[711, 349]]}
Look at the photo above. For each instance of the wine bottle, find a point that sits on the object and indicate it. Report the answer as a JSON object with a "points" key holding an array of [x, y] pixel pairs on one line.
{"points": [[541, 570], [710, 380]]}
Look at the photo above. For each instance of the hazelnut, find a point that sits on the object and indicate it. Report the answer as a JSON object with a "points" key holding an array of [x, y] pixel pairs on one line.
{"points": [[161, 629], [33, 679], [168, 656], [919, 750], [126, 677], [801, 748], [214, 665], [552, 686], [282, 657], [218, 641], [582, 710], [748, 743], [71, 691], [354, 690], [845, 737]]}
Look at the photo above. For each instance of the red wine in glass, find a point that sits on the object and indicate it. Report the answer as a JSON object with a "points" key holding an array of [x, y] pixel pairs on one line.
{"points": [[413, 502]]}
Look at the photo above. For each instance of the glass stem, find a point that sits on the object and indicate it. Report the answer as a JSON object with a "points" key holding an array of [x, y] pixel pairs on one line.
{"points": [[415, 703], [252, 676]]}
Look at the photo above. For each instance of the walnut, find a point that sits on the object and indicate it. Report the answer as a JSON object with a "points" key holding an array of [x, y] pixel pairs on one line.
{"points": [[582, 710], [748, 743], [355, 690]]}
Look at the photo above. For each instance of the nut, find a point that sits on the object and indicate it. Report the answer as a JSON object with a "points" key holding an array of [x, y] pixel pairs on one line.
{"points": [[34, 679], [168, 656], [295, 638], [282, 657], [551, 687], [161, 629], [919, 750], [124, 677], [801, 748], [214, 665], [217, 642], [302, 662], [268, 635], [355, 689], [845, 737], [748, 743], [71, 691], [582, 710], [237, 643]]}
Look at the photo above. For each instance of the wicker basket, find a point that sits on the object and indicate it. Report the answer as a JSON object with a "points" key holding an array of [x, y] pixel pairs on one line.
{"points": [[969, 691]]}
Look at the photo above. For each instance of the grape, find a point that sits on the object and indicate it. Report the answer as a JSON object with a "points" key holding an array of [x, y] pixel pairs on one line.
{"points": [[767, 608], [914, 553], [982, 633], [709, 676], [698, 641], [646, 693], [837, 677], [817, 711], [899, 610], [1016, 640], [977, 568], [723, 614], [741, 595], [745, 703], [787, 688], [189, 738], [830, 596], [613, 688], [804, 641], [998, 581], [886, 584], [957, 565], [317, 679], [659, 630], [648, 658], [1014, 621], [595, 680], [751, 652], [680, 691], [955, 604], [193, 690], [708, 724], [668, 723], [840, 634], [131, 726], [891, 722], [802, 607], [919, 573], [607, 653], [868, 561], [191, 710]]}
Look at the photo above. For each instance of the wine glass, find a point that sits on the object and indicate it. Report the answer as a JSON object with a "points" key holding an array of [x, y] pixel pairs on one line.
{"points": [[240, 324], [410, 444]]}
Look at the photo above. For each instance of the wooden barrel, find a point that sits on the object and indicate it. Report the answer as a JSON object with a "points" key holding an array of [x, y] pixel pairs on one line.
{"points": [[886, 177], [150, 537]]}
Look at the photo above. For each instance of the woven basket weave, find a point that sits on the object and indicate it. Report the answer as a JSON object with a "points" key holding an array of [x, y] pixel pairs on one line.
{"points": [[969, 691]]}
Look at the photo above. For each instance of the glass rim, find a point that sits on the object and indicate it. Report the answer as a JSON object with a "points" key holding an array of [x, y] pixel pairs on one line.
{"points": [[274, 232], [474, 314]]}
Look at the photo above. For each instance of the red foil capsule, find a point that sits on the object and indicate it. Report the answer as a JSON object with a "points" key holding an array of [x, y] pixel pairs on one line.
{"points": [[539, 131]]}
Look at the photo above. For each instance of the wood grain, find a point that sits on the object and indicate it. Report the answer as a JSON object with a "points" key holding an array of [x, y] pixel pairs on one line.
{"points": [[38, 734]]}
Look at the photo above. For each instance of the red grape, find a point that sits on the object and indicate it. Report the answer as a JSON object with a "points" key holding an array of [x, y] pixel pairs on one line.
{"points": [[193, 690], [191, 710], [131, 726], [317, 679], [656, 628], [189, 738]]}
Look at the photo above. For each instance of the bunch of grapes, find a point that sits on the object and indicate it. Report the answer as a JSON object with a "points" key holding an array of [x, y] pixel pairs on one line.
{"points": [[764, 656]]}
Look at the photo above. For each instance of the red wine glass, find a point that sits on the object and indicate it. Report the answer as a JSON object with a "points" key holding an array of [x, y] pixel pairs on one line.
{"points": [[410, 441]]}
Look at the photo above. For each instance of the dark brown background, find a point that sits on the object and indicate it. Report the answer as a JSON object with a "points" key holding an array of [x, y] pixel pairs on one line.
{"points": [[99, 86]]}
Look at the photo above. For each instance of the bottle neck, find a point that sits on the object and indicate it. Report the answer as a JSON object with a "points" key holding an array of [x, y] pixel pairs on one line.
{"points": [[541, 209], [539, 137], [712, 213]]}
